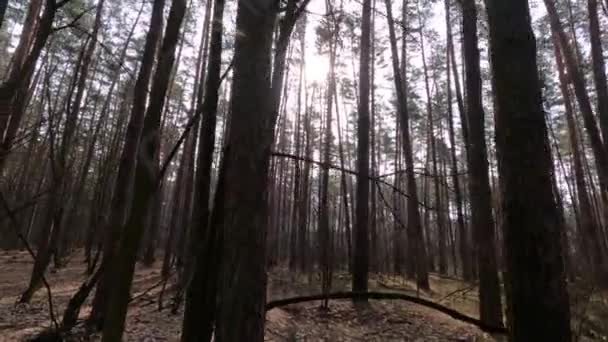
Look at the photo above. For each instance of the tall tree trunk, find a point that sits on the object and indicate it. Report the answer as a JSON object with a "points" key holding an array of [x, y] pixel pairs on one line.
{"points": [[297, 175], [439, 215], [14, 91], [588, 236], [244, 209], [536, 289], [580, 91], [599, 68], [417, 257], [344, 189], [463, 240], [200, 310], [303, 209], [361, 247], [490, 311], [146, 174], [60, 165], [126, 167]]}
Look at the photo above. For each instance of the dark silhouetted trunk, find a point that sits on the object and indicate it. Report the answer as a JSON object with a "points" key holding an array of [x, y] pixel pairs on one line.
{"points": [[490, 310], [146, 174], [124, 179], [244, 209], [599, 68], [536, 290], [200, 310], [361, 234]]}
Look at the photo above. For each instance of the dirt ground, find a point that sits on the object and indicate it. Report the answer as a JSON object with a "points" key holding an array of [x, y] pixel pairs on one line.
{"points": [[379, 321]]}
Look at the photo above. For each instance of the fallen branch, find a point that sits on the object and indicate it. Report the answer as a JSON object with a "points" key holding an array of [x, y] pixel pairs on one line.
{"points": [[389, 296]]}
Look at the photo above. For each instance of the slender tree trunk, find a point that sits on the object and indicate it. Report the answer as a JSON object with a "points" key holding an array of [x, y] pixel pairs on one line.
{"points": [[200, 310], [417, 257], [536, 289], [361, 247], [14, 91], [490, 310], [146, 174], [589, 238], [599, 68], [463, 241], [297, 192], [580, 91], [126, 167]]}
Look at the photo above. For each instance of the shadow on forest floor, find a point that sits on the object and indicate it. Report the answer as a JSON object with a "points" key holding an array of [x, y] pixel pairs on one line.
{"points": [[383, 320]]}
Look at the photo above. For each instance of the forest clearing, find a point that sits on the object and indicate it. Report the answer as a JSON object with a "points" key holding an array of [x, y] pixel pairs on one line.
{"points": [[303, 170]]}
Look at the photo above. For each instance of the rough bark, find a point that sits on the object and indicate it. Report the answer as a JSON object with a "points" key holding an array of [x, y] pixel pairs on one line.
{"points": [[242, 284], [535, 281]]}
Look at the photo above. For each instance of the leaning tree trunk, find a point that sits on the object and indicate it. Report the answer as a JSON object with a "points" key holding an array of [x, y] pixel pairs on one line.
{"points": [[578, 81], [590, 240], [599, 68], [146, 182], [14, 91], [124, 179], [535, 280]]}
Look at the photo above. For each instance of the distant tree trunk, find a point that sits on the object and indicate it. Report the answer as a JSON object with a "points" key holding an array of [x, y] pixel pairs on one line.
{"points": [[373, 204], [439, 215], [417, 257], [188, 250], [589, 237], [14, 91], [124, 179], [200, 310], [344, 190], [536, 289], [61, 162], [104, 112], [463, 241], [3, 6], [297, 175], [361, 235], [490, 310], [242, 285], [146, 174], [324, 219], [303, 209], [599, 68], [582, 96]]}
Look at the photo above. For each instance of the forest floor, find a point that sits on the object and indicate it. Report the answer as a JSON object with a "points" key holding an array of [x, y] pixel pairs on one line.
{"points": [[389, 320]]}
